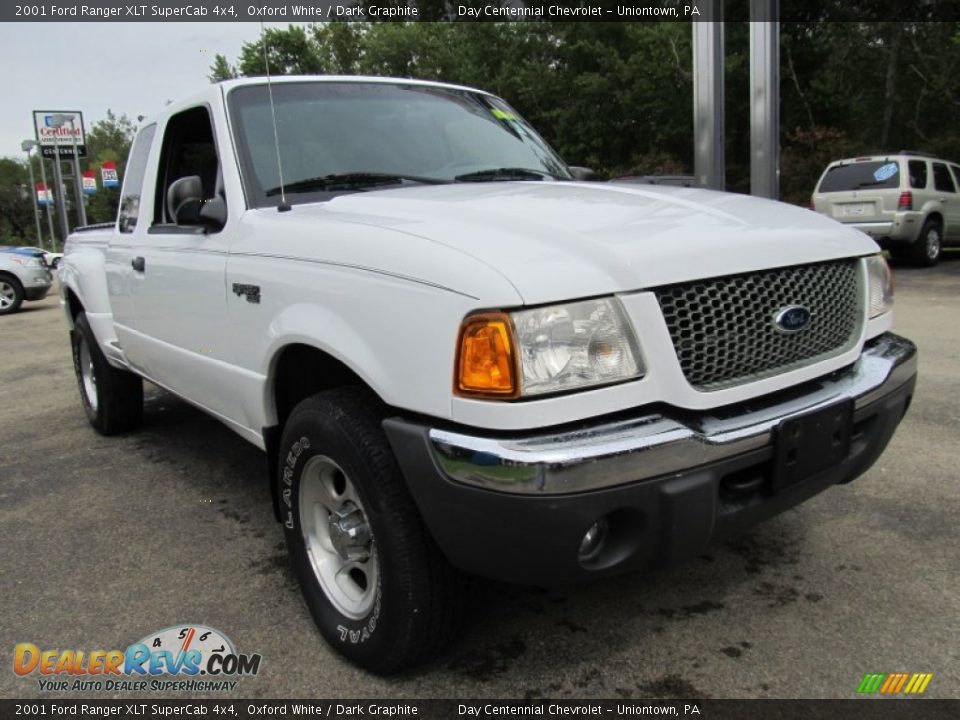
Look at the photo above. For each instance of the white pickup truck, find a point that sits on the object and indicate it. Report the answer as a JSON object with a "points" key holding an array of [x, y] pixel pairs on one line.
{"points": [[458, 358]]}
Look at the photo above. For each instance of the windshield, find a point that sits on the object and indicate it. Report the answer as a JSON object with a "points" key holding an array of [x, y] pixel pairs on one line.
{"points": [[340, 137], [875, 175]]}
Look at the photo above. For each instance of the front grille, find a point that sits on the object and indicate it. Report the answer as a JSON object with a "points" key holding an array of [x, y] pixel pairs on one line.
{"points": [[724, 329]]}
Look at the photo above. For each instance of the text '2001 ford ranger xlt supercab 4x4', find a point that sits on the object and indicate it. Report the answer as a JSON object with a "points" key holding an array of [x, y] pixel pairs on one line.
{"points": [[458, 358]]}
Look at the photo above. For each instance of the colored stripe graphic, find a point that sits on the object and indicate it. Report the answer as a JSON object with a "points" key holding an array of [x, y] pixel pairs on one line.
{"points": [[901, 681], [894, 683], [890, 682], [871, 682]]}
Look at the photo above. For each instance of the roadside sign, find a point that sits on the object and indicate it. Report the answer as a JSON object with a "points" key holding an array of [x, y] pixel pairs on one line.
{"points": [[108, 174], [89, 182], [44, 195], [52, 138]]}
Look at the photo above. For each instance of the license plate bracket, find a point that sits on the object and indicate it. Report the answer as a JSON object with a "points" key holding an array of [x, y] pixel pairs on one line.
{"points": [[810, 443], [857, 208]]}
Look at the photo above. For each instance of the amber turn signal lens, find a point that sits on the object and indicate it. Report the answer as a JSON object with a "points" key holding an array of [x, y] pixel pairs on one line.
{"points": [[486, 365]]}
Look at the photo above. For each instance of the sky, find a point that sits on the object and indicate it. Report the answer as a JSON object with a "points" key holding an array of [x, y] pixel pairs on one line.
{"points": [[130, 68]]}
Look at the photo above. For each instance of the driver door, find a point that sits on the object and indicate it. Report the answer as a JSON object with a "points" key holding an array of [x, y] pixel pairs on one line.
{"points": [[179, 267]]}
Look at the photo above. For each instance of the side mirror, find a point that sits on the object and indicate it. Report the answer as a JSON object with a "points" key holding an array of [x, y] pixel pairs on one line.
{"points": [[184, 200], [213, 214], [584, 174]]}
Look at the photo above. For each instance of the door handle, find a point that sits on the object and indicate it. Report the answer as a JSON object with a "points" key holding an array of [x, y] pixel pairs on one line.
{"points": [[138, 264]]}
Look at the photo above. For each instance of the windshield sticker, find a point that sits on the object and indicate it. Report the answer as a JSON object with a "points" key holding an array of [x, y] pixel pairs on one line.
{"points": [[501, 115], [886, 171]]}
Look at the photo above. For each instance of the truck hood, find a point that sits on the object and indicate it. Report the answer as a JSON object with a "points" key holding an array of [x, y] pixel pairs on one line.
{"points": [[561, 240]]}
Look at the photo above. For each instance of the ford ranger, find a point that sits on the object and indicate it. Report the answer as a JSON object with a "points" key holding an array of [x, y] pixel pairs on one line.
{"points": [[461, 360]]}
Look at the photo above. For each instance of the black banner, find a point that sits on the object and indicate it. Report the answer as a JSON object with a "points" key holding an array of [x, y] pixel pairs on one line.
{"points": [[447, 709], [467, 10]]}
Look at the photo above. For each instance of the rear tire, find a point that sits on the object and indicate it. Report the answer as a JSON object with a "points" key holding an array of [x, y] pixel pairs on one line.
{"points": [[378, 587], [929, 245], [112, 398], [11, 294]]}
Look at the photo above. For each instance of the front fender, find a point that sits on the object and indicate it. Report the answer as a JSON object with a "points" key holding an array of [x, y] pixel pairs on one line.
{"points": [[324, 329]]}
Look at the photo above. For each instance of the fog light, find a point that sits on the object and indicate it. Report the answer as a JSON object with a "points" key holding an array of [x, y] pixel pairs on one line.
{"points": [[593, 541]]}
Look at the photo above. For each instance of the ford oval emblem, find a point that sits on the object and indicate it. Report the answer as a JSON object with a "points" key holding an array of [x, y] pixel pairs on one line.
{"points": [[792, 319]]}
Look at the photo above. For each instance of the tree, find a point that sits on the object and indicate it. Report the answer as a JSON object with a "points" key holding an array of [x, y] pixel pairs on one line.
{"points": [[290, 52], [221, 69], [17, 224], [618, 96], [108, 140]]}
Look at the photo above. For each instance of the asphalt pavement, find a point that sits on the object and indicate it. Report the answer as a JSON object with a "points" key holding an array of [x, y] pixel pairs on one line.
{"points": [[106, 540]]}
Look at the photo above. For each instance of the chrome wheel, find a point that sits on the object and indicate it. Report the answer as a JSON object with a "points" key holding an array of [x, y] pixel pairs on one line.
{"points": [[932, 243], [337, 537], [8, 295], [88, 376]]}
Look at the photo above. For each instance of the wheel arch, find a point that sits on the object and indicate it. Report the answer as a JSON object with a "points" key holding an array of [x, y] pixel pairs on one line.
{"points": [[16, 282], [297, 371], [8, 274], [73, 306]]}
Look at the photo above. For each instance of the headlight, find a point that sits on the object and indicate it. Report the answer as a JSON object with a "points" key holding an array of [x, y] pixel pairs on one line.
{"points": [[880, 285], [547, 350]]}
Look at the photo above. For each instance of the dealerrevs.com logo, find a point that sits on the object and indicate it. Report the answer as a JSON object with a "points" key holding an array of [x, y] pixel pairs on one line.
{"points": [[189, 658]]}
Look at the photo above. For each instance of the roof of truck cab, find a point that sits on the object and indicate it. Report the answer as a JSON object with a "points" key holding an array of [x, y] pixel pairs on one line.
{"points": [[214, 91], [228, 85]]}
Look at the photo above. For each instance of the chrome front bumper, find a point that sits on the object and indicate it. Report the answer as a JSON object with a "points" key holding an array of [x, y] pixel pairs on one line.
{"points": [[662, 443]]}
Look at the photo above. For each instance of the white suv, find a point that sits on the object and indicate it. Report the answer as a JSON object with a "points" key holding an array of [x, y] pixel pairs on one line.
{"points": [[908, 202], [21, 278]]}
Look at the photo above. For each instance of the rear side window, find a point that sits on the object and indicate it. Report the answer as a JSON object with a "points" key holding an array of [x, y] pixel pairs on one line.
{"points": [[956, 173], [918, 174], [941, 178], [133, 180], [860, 175]]}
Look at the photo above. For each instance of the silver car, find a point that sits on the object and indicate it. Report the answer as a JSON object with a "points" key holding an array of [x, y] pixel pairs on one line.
{"points": [[21, 278], [908, 202]]}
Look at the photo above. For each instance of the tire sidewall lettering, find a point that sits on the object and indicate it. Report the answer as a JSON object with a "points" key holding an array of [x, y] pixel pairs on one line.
{"points": [[347, 631]]}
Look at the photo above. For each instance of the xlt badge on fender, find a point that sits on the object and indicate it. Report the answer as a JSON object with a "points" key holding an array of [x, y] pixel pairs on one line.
{"points": [[251, 292]]}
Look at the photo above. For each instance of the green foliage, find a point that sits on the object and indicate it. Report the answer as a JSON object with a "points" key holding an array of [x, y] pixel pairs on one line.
{"points": [[108, 139], [618, 96], [17, 225], [289, 52], [221, 69]]}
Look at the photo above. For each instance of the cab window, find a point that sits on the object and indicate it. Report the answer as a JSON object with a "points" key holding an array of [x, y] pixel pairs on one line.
{"points": [[188, 151], [133, 180]]}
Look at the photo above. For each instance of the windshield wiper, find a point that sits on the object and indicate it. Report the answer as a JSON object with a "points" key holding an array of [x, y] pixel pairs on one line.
{"points": [[505, 173], [350, 181]]}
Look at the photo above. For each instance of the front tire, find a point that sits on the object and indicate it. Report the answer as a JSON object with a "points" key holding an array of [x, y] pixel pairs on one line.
{"points": [[11, 294], [929, 245], [379, 590], [112, 398]]}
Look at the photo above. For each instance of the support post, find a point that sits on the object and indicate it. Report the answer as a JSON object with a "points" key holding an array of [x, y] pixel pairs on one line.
{"points": [[78, 177], [43, 177], [708, 162], [765, 99], [61, 195], [33, 192]]}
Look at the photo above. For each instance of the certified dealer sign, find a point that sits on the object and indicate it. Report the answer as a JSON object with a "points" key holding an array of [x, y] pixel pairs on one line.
{"points": [[64, 137]]}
